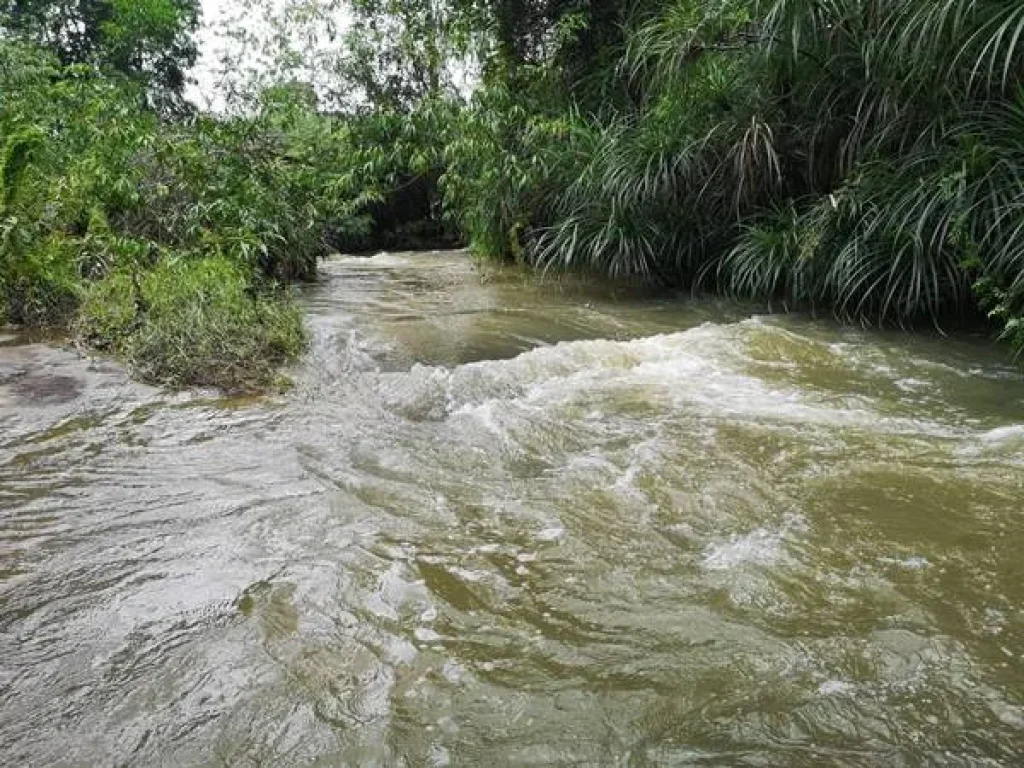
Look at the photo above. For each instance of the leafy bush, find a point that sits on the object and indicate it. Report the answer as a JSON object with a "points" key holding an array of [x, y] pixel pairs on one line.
{"points": [[97, 188], [508, 158], [193, 323], [39, 286]]}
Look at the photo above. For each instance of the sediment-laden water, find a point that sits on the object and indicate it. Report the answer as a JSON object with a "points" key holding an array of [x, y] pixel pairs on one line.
{"points": [[511, 522]]}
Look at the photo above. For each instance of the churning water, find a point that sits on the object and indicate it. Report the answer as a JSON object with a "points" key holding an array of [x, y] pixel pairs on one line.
{"points": [[508, 522]]}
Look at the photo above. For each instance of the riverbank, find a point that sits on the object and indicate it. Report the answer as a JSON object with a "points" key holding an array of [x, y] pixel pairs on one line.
{"points": [[174, 240], [855, 160]]}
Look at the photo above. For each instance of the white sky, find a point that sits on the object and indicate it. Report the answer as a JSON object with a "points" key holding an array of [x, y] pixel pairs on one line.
{"points": [[212, 84], [204, 72]]}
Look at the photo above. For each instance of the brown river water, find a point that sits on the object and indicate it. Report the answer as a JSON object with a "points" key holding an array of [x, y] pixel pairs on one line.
{"points": [[502, 521]]}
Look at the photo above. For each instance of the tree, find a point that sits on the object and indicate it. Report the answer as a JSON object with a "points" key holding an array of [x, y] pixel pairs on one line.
{"points": [[148, 40]]}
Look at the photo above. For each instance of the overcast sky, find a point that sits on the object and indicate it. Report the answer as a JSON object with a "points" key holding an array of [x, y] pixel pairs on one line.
{"points": [[205, 88], [209, 90]]}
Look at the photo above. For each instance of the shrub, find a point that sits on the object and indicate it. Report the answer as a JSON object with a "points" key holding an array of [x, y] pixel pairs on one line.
{"points": [[39, 286], [172, 233], [193, 323]]}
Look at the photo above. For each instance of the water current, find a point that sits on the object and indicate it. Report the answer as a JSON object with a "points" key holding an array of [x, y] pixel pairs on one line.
{"points": [[508, 521]]}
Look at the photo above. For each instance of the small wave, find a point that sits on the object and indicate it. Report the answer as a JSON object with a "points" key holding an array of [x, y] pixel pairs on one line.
{"points": [[759, 547], [1006, 442], [703, 370], [1005, 435], [399, 259]]}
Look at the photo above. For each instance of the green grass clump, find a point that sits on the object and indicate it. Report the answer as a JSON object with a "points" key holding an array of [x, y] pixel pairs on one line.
{"points": [[39, 287], [193, 323]]}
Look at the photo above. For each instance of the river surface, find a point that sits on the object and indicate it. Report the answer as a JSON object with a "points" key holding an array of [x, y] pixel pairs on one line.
{"points": [[502, 521]]}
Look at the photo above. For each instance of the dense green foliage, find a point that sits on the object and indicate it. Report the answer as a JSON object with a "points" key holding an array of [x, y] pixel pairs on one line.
{"points": [[150, 41], [170, 240], [99, 194], [859, 156]]}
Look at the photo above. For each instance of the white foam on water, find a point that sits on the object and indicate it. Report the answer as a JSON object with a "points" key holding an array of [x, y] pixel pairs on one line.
{"points": [[440, 756], [554, 533], [914, 563], [426, 635], [912, 385], [397, 259], [762, 546], [487, 414], [994, 622], [836, 688], [1004, 435], [429, 616], [702, 370], [1003, 442], [359, 354]]}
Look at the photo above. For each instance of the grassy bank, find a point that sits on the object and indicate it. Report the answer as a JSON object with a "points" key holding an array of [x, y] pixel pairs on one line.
{"points": [[860, 157], [166, 243], [171, 240]]}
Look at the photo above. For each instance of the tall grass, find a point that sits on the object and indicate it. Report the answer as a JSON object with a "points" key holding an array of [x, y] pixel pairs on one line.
{"points": [[859, 155]]}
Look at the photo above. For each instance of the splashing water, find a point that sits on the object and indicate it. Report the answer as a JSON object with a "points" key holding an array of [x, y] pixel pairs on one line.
{"points": [[520, 522]]}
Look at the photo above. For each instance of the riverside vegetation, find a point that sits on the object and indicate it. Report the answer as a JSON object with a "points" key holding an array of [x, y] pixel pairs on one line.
{"points": [[863, 157]]}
